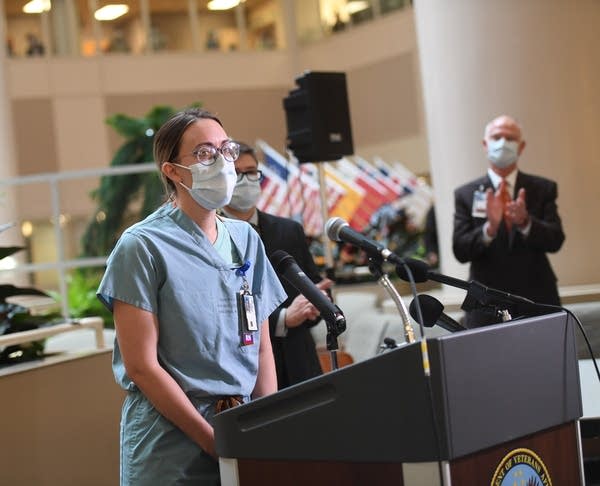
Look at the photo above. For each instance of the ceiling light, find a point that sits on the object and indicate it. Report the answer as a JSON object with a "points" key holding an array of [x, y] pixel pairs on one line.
{"points": [[356, 6], [111, 12], [26, 228], [222, 4], [37, 6]]}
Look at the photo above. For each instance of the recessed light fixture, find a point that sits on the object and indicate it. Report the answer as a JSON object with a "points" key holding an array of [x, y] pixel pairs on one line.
{"points": [[222, 4], [111, 12], [37, 6]]}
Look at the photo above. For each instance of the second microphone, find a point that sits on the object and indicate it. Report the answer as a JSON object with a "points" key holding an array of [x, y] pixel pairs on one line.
{"points": [[286, 266]]}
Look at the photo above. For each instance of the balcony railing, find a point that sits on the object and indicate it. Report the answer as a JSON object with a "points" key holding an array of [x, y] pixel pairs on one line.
{"points": [[62, 264]]}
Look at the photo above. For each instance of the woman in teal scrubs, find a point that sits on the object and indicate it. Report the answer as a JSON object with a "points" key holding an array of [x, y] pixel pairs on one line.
{"points": [[191, 294]]}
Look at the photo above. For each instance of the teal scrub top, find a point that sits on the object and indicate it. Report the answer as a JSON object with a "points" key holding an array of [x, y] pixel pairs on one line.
{"points": [[166, 265]]}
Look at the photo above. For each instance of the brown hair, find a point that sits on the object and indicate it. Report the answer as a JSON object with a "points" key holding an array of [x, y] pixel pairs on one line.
{"points": [[167, 140], [247, 149]]}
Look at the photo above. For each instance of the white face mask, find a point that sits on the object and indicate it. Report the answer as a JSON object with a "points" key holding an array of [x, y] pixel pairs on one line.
{"points": [[502, 152], [212, 186], [245, 195]]}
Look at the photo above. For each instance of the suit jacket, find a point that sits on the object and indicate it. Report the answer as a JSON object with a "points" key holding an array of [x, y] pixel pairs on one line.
{"points": [[295, 354], [511, 262]]}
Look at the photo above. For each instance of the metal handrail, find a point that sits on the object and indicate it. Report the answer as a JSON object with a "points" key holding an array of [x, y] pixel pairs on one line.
{"points": [[62, 264], [95, 323]]}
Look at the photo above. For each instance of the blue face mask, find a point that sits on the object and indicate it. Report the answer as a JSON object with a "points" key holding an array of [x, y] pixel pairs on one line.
{"points": [[212, 186], [502, 153]]}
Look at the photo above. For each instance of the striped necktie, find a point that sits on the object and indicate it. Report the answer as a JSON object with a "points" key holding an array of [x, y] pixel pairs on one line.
{"points": [[506, 199]]}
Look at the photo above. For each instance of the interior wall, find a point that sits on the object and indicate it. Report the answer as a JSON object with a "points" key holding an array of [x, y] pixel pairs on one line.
{"points": [[245, 114], [60, 424], [384, 107]]}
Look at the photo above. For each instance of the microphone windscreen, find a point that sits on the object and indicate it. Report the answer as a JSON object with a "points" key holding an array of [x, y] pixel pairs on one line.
{"points": [[418, 268], [431, 308], [388, 341], [333, 227]]}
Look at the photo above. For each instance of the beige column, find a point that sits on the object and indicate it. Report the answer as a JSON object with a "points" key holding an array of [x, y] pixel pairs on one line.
{"points": [[8, 168], [538, 61]]}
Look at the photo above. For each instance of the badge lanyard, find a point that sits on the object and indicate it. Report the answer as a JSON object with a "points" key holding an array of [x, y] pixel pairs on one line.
{"points": [[247, 314]]}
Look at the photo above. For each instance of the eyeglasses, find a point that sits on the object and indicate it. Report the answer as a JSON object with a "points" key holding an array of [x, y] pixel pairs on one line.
{"points": [[207, 154], [251, 175]]}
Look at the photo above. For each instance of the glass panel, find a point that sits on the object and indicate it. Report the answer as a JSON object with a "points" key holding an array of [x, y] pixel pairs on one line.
{"points": [[315, 18], [25, 32], [391, 5], [357, 11], [170, 25], [308, 21], [124, 34], [82, 284], [218, 29], [87, 28], [265, 25], [70, 23]]}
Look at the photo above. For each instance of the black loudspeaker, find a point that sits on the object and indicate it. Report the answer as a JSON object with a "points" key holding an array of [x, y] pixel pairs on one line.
{"points": [[318, 118]]}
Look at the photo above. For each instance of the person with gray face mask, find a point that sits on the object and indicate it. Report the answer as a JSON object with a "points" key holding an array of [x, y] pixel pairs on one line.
{"points": [[296, 358], [506, 221]]}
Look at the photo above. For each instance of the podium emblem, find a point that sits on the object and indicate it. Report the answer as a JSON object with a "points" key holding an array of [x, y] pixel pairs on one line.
{"points": [[522, 467]]}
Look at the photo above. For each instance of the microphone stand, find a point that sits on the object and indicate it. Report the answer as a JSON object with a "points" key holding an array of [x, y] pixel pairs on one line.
{"points": [[335, 327], [376, 269]]}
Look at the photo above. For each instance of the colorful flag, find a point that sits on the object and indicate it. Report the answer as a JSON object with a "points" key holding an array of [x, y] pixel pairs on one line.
{"points": [[349, 206], [376, 194]]}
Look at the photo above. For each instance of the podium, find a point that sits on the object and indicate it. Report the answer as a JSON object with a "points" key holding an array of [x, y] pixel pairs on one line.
{"points": [[500, 407]]}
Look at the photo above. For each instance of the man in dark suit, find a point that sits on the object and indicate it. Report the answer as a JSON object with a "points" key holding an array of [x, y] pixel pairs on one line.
{"points": [[294, 348], [506, 222]]}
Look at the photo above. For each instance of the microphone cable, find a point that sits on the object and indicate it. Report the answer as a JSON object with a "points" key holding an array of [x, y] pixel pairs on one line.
{"points": [[581, 329], [427, 372]]}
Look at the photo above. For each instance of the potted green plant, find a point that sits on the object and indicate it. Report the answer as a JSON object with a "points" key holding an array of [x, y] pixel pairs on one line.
{"points": [[16, 316]]}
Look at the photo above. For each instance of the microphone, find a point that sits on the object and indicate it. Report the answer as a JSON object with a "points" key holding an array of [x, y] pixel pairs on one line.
{"points": [[478, 295], [286, 266], [339, 230], [433, 313]]}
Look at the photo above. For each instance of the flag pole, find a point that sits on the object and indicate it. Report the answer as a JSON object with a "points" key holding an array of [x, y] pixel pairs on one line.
{"points": [[327, 244]]}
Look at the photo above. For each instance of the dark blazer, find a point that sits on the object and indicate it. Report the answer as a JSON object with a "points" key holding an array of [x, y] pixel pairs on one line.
{"points": [[511, 262], [295, 354]]}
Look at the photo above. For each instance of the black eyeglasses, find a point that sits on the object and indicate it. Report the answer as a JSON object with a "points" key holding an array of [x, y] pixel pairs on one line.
{"points": [[207, 154], [251, 175]]}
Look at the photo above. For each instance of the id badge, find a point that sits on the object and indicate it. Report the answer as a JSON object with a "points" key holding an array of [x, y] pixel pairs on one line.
{"points": [[479, 209], [248, 301], [248, 324]]}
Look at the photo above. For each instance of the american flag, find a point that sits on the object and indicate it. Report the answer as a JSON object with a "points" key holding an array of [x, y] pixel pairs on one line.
{"points": [[290, 190], [394, 189], [273, 193], [418, 194], [355, 189], [376, 194]]}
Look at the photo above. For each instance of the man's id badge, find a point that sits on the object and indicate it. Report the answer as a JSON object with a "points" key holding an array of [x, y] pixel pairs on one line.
{"points": [[479, 209]]}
